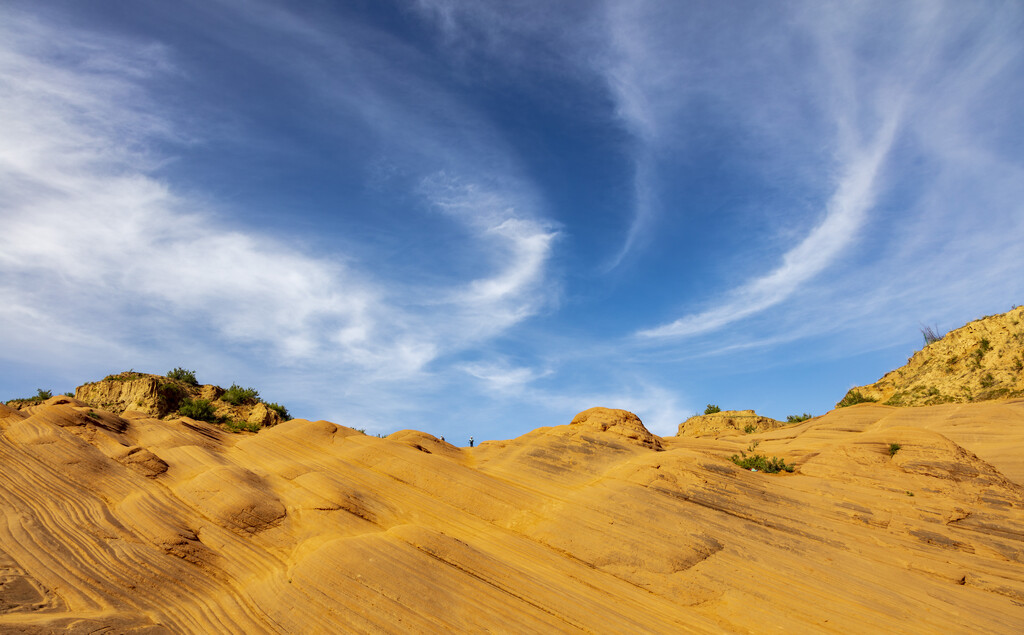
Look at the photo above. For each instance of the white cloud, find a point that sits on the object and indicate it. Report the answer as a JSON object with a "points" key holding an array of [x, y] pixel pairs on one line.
{"points": [[104, 248], [502, 376]]}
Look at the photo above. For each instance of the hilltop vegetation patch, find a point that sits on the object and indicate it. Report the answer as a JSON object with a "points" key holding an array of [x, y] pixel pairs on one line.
{"points": [[236, 395], [853, 397], [183, 375]]}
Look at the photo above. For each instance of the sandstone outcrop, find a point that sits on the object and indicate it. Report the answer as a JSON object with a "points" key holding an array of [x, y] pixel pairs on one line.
{"points": [[149, 394], [742, 421], [620, 422], [160, 397], [980, 361], [896, 520]]}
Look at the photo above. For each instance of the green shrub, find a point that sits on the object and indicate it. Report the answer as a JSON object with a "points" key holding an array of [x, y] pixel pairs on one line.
{"points": [[712, 409], [69, 394], [42, 395], [894, 448], [984, 346], [749, 428], [198, 409], [238, 426], [281, 410], [187, 376], [761, 463], [798, 418], [988, 381], [236, 395], [1017, 364], [854, 397]]}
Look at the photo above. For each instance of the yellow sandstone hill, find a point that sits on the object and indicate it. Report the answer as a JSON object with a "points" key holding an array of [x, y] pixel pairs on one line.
{"points": [[132, 524], [979, 361], [739, 421]]}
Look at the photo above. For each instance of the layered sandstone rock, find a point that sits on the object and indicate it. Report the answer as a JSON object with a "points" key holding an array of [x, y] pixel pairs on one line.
{"points": [[149, 394], [896, 520], [619, 422]]}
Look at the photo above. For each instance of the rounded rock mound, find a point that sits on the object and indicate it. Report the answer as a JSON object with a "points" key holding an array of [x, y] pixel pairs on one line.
{"points": [[621, 422]]}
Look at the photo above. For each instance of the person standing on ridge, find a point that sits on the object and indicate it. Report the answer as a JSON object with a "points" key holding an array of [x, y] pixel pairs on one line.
{"points": [[470, 441]]}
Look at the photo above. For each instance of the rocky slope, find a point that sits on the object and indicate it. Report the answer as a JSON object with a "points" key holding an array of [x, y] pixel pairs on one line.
{"points": [[130, 523], [979, 361]]}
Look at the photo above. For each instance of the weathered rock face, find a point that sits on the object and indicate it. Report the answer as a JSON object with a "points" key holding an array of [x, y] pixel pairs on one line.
{"points": [[725, 421], [980, 361], [160, 397], [148, 394], [621, 422]]}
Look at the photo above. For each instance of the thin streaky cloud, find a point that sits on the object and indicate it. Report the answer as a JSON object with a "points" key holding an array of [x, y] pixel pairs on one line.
{"points": [[846, 213]]}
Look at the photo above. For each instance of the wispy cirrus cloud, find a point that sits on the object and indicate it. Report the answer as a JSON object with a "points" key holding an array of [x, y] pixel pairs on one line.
{"points": [[846, 212], [109, 250]]}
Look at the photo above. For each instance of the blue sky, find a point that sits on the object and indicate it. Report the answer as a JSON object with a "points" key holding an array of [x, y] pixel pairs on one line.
{"points": [[483, 217]]}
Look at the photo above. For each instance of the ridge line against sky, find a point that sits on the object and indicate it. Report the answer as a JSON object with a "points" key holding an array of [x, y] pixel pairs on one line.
{"points": [[488, 216]]}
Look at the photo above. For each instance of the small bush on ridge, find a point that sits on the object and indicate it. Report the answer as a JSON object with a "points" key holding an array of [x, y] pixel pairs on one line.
{"points": [[930, 334], [712, 409], [236, 395], [798, 418], [894, 448], [281, 410], [854, 397], [187, 376]]}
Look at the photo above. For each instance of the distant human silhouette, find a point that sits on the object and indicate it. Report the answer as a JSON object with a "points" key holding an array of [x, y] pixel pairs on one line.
{"points": [[470, 441]]}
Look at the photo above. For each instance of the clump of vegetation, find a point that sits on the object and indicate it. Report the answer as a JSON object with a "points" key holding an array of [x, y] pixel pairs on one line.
{"points": [[236, 395], [92, 415], [988, 381], [198, 409], [40, 396], [760, 462], [930, 334], [239, 426], [798, 418], [712, 409], [127, 375], [1017, 364], [855, 397], [749, 428], [281, 410], [181, 374], [894, 448]]}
